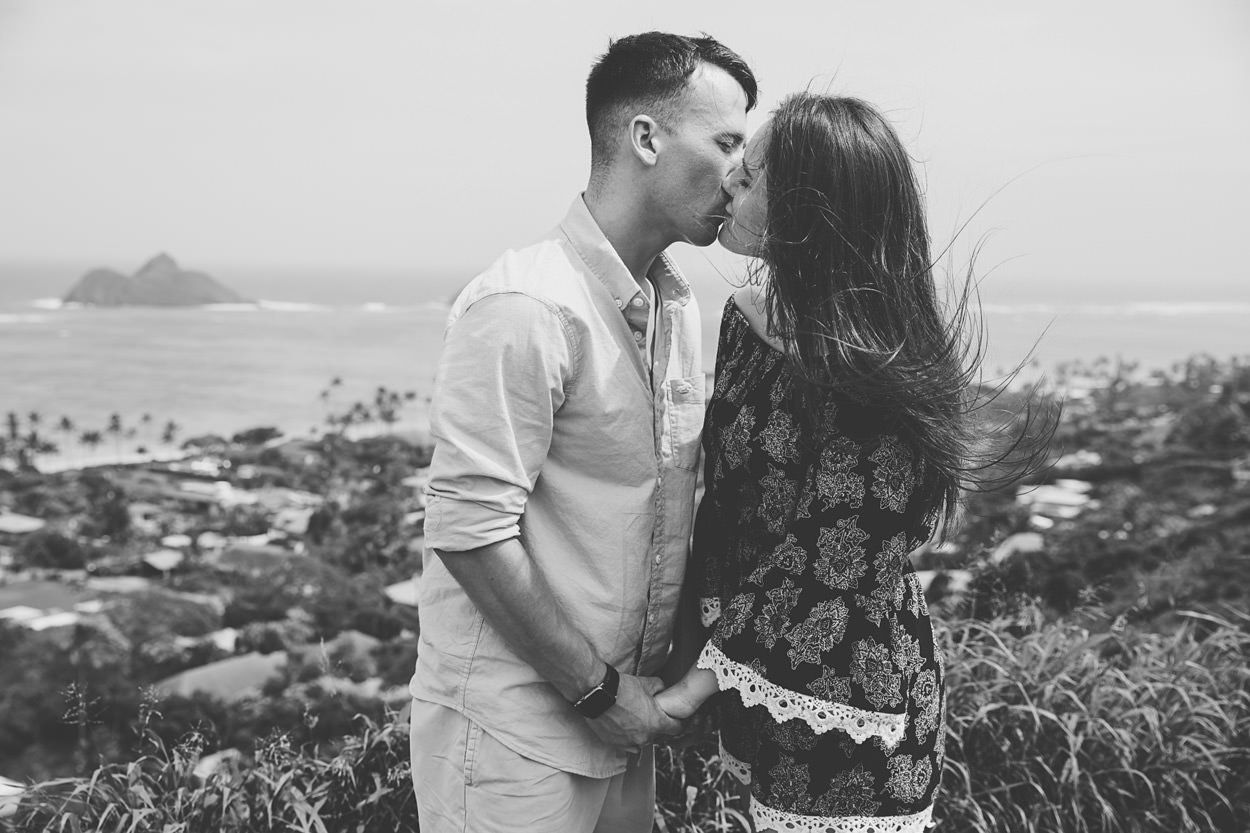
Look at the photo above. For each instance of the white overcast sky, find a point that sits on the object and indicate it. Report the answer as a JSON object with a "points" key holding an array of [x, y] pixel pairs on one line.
{"points": [[1111, 139]]}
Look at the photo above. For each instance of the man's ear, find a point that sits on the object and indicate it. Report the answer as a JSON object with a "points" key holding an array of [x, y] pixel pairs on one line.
{"points": [[644, 139]]}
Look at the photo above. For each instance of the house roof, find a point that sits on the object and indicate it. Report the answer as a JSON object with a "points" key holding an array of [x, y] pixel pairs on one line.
{"points": [[403, 593], [20, 613], [229, 679], [54, 620], [163, 560], [14, 524]]}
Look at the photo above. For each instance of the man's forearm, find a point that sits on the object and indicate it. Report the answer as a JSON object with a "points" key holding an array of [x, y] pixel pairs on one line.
{"points": [[500, 579]]}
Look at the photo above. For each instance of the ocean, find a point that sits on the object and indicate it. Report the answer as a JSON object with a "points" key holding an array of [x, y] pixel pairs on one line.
{"points": [[222, 369]]}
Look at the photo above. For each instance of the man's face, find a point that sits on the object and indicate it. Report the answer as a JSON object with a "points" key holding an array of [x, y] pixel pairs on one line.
{"points": [[747, 213], [696, 152]]}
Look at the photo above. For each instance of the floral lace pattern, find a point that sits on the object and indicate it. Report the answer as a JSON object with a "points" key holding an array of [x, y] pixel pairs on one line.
{"points": [[709, 611], [738, 769], [767, 818], [784, 705]]}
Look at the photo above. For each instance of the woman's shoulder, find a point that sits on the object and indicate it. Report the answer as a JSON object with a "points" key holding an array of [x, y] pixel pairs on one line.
{"points": [[749, 300]]}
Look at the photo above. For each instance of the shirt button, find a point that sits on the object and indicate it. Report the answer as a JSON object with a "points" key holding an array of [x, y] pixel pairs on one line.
{"points": [[657, 559], [620, 304], [637, 302], [637, 336]]}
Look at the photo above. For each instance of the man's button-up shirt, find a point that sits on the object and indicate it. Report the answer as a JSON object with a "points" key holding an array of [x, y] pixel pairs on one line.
{"points": [[552, 425]]}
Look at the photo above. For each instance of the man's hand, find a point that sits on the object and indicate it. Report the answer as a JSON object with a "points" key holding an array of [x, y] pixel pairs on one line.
{"points": [[634, 720]]}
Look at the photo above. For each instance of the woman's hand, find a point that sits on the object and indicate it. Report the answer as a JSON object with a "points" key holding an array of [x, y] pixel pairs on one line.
{"points": [[681, 700]]}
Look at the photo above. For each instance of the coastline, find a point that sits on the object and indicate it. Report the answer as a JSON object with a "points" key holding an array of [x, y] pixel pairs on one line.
{"points": [[415, 431], [225, 369]]}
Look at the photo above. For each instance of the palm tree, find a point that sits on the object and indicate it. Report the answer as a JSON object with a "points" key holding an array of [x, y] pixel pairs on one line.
{"points": [[91, 439], [170, 433], [115, 428], [66, 427], [359, 414], [326, 395], [41, 445], [14, 426], [387, 404], [145, 424]]}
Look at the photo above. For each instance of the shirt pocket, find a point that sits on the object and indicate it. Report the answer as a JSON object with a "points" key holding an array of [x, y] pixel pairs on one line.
{"points": [[684, 401]]}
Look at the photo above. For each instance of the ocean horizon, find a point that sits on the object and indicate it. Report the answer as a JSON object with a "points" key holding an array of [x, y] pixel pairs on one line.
{"points": [[226, 367]]}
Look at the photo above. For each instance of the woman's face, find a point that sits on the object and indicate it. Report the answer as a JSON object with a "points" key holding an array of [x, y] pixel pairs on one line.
{"points": [[743, 229]]}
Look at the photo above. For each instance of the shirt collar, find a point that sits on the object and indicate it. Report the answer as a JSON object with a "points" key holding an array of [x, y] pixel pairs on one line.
{"points": [[598, 254]]}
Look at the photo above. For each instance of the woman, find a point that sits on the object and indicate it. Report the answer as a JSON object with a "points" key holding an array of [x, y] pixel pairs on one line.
{"points": [[836, 442]]}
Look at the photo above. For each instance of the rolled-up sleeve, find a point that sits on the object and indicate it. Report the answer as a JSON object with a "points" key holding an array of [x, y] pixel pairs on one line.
{"points": [[506, 364]]}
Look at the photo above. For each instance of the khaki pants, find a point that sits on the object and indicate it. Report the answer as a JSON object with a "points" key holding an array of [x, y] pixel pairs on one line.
{"points": [[468, 782]]}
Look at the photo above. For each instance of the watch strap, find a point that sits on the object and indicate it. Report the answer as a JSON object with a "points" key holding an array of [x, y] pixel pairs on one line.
{"points": [[602, 697]]}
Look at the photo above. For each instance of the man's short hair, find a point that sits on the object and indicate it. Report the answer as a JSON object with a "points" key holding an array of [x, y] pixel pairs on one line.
{"points": [[647, 73]]}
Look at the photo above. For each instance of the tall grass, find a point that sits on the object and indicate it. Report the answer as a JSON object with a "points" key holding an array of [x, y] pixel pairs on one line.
{"points": [[1060, 730], [365, 789], [1050, 730]]}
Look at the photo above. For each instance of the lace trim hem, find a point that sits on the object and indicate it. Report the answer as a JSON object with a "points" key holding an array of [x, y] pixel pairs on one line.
{"points": [[709, 612], [784, 704], [738, 769], [768, 818]]}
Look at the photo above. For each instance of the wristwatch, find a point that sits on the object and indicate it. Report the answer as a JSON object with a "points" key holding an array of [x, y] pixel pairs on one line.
{"points": [[600, 698]]}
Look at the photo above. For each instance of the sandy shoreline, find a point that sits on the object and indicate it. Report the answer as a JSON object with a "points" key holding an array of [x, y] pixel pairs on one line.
{"points": [[416, 431]]}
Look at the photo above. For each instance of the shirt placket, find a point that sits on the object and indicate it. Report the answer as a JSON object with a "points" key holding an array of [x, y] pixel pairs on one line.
{"points": [[657, 568], [637, 313]]}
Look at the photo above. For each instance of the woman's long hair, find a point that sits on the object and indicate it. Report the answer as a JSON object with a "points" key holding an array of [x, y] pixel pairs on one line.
{"points": [[850, 289]]}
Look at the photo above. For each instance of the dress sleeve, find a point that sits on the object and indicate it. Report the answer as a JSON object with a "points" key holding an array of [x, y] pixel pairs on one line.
{"points": [[710, 545], [711, 541], [810, 629]]}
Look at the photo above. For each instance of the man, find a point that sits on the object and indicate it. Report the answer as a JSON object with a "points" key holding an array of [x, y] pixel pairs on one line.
{"points": [[567, 410]]}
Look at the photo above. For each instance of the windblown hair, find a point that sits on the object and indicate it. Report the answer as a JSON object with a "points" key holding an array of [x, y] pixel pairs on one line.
{"points": [[850, 289], [646, 73]]}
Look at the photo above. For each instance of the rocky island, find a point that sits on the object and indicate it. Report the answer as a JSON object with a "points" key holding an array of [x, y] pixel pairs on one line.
{"points": [[160, 283]]}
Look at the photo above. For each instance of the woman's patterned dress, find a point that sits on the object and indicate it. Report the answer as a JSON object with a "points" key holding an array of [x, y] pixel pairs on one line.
{"points": [[835, 703]]}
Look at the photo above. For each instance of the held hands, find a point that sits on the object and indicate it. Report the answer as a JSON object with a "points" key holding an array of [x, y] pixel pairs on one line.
{"points": [[645, 710], [635, 720], [685, 696], [678, 702]]}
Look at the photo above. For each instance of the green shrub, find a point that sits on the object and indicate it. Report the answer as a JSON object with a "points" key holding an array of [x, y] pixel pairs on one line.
{"points": [[47, 548], [365, 788], [1050, 730], [149, 615]]}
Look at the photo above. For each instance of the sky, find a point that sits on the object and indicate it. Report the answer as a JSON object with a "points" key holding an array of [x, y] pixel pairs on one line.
{"points": [[1096, 146]]}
